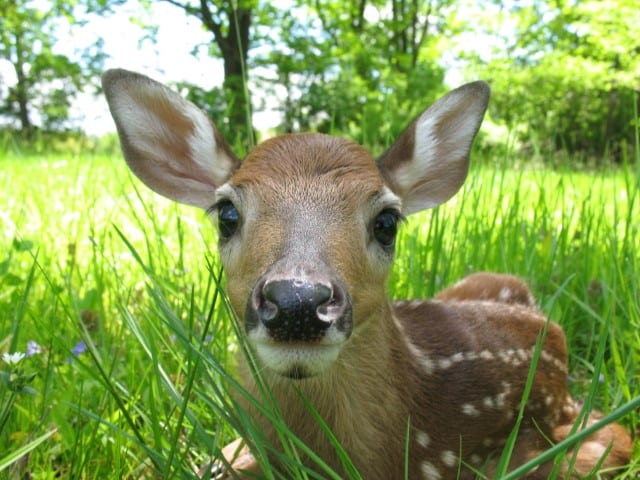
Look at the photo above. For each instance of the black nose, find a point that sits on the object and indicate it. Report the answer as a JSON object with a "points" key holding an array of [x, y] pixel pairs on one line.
{"points": [[298, 309]]}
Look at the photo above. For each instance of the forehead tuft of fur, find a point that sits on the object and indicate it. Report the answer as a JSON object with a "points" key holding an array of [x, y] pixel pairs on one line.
{"points": [[307, 160]]}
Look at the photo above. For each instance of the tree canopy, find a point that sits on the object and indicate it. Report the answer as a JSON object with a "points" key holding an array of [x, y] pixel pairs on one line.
{"points": [[569, 75], [46, 81], [565, 75]]}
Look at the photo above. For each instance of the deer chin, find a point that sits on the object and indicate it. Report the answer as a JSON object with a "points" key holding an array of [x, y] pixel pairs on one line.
{"points": [[297, 361]]}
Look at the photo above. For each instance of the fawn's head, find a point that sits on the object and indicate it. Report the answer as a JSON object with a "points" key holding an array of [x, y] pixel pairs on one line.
{"points": [[306, 222]]}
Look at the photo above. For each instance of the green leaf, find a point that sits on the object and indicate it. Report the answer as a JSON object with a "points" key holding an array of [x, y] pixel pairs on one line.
{"points": [[21, 245]]}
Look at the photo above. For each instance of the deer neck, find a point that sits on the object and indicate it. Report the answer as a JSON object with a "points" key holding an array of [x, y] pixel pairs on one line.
{"points": [[365, 420]]}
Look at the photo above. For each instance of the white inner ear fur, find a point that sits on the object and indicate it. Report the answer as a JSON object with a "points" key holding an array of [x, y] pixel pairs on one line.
{"points": [[168, 142], [431, 141], [203, 146], [442, 139], [157, 107]]}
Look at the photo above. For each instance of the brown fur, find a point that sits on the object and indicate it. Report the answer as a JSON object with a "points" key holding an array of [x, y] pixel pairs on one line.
{"points": [[370, 420], [478, 341]]}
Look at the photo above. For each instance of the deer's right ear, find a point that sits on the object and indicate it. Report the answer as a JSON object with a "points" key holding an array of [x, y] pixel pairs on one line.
{"points": [[429, 161], [169, 143]]}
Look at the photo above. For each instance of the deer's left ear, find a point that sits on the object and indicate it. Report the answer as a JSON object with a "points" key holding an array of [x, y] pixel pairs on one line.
{"points": [[429, 162], [169, 143]]}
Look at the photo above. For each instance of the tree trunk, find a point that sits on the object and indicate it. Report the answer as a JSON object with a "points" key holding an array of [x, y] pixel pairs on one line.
{"points": [[229, 22], [235, 49], [234, 46], [22, 88]]}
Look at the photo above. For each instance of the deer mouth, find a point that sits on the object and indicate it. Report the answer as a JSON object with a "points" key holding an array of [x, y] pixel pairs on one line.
{"points": [[297, 324], [296, 361]]}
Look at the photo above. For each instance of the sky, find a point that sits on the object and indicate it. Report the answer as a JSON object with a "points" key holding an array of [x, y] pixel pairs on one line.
{"points": [[168, 60]]}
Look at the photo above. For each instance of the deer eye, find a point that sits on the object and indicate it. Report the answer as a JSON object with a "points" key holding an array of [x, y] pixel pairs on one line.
{"points": [[385, 227], [228, 219]]}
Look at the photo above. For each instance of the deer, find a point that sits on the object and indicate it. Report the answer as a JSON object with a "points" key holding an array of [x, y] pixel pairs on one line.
{"points": [[307, 226]]}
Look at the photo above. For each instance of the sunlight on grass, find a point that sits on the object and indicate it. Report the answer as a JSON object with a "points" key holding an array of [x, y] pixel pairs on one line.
{"points": [[112, 291]]}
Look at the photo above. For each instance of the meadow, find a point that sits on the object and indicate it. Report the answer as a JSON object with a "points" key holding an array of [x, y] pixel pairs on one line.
{"points": [[115, 297]]}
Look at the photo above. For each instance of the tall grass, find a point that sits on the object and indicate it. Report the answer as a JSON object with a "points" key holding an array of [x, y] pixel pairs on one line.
{"points": [[116, 294]]}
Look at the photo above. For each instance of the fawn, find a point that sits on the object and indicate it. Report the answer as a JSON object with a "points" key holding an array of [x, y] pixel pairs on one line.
{"points": [[307, 226]]}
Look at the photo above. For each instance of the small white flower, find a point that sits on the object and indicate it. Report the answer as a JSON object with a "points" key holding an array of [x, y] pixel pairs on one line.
{"points": [[12, 358]]}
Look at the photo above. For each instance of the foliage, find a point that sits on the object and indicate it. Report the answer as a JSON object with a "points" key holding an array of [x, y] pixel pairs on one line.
{"points": [[329, 65], [112, 293], [564, 75], [46, 80], [567, 74], [341, 66], [229, 22]]}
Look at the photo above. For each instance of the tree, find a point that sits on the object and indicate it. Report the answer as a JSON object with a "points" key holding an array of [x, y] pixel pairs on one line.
{"points": [[363, 67], [229, 22], [570, 75], [47, 81], [356, 66]]}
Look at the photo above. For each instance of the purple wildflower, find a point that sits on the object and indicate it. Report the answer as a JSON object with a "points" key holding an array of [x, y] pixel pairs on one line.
{"points": [[33, 348], [79, 348]]}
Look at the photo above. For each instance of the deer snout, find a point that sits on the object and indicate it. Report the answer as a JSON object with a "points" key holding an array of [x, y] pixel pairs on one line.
{"points": [[299, 309], [298, 318]]}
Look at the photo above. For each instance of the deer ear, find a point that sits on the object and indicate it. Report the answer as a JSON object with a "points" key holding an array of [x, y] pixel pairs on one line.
{"points": [[169, 143], [429, 162]]}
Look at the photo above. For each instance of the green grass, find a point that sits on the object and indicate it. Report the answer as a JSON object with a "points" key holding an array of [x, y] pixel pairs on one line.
{"points": [[119, 289]]}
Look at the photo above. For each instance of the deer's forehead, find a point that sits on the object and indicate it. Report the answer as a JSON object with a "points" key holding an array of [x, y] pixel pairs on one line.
{"points": [[310, 169]]}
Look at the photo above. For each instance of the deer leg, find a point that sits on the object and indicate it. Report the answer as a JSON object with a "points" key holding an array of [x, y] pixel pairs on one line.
{"points": [[609, 447], [239, 457]]}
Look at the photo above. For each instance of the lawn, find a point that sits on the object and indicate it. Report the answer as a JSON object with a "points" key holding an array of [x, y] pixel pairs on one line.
{"points": [[113, 295]]}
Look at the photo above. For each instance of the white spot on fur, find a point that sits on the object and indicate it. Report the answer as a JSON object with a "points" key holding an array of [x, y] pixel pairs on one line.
{"points": [[422, 357], [501, 398], [569, 408], [471, 410], [559, 364], [444, 363], [475, 459], [423, 438], [507, 356], [488, 402], [427, 364], [522, 354], [457, 357], [486, 355], [505, 294], [429, 471], [471, 356], [449, 458]]}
